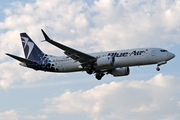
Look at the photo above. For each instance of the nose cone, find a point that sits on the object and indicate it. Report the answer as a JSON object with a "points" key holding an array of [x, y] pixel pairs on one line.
{"points": [[171, 55]]}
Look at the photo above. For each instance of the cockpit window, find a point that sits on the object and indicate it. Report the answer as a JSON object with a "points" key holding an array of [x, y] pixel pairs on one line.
{"points": [[163, 50]]}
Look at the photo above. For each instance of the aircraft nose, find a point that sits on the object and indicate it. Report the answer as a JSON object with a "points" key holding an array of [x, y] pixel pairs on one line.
{"points": [[171, 55]]}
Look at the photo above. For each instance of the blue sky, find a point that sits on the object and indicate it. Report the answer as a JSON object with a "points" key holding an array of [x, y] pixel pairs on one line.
{"points": [[93, 26]]}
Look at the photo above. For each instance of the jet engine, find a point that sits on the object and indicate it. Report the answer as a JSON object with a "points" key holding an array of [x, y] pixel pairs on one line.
{"points": [[120, 71], [105, 61]]}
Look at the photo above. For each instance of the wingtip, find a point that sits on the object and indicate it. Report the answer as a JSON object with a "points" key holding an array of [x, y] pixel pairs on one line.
{"points": [[42, 30], [45, 35]]}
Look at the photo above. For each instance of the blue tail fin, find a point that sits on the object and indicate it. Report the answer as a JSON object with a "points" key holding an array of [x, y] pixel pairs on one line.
{"points": [[31, 50]]}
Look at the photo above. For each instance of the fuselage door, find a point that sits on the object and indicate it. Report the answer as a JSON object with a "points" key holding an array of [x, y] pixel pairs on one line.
{"points": [[153, 52]]}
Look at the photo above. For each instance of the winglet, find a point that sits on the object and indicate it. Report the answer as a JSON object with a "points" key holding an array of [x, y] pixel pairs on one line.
{"points": [[45, 35]]}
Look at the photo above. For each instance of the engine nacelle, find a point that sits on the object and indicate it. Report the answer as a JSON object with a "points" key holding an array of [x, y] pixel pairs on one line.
{"points": [[105, 61], [120, 71]]}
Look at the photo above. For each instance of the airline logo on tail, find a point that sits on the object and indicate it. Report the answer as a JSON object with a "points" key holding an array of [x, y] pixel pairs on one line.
{"points": [[30, 45]]}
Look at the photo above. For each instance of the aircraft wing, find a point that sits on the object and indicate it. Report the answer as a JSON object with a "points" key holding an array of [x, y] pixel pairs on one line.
{"points": [[23, 60], [70, 52]]}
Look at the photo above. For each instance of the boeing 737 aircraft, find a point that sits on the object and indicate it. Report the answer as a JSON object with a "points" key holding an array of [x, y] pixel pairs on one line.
{"points": [[116, 63]]}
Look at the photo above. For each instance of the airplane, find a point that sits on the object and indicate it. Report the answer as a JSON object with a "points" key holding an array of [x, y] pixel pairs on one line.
{"points": [[116, 63]]}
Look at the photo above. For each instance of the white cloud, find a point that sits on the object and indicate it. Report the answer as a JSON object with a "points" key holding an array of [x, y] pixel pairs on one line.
{"points": [[179, 103], [115, 22], [137, 23], [58, 15], [13, 115], [12, 73], [8, 74], [9, 43], [151, 99], [9, 115], [103, 25], [35, 118]]}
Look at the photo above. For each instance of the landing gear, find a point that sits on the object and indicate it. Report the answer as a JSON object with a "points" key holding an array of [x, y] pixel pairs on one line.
{"points": [[89, 71], [99, 76], [159, 64], [158, 69]]}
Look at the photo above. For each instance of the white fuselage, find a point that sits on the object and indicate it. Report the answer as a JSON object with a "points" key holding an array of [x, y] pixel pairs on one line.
{"points": [[116, 63], [123, 58]]}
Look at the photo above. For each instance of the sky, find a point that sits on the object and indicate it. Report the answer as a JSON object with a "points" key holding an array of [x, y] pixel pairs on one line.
{"points": [[90, 26]]}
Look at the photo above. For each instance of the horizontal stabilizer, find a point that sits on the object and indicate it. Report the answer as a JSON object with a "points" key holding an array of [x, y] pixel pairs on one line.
{"points": [[23, 60]]}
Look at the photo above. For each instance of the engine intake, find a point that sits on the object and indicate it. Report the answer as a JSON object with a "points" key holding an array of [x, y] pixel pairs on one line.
{"points": [[120, 71], [105, 61]]}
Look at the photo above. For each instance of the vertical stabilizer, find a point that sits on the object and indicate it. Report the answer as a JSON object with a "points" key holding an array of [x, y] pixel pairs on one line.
{"points": [[31, 50]]}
